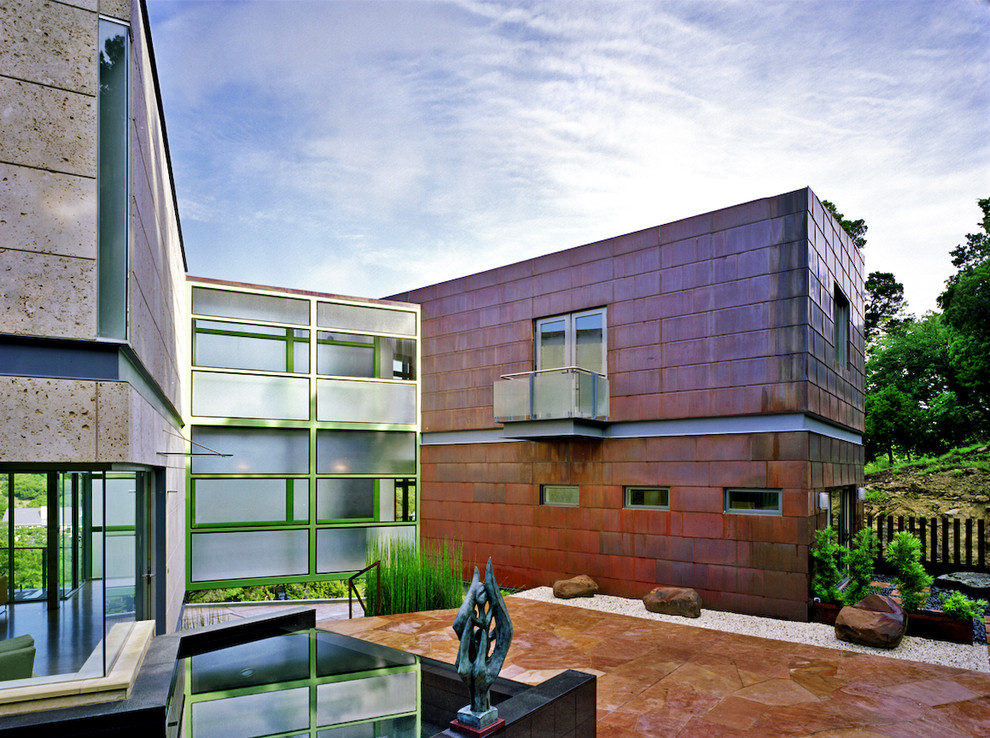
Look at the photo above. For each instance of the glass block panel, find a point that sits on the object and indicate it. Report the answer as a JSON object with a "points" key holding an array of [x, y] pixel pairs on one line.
{"points": [[239, 500], [341, 549], [254, 451], [121, 501], [365, 318], [300, 499], [345, 361], [222, 395], [361, 699], [342, 499], [242, 555], [246, 306], [365, 402], [121, 565], [365, 452], [241, 352], [266, 713]]}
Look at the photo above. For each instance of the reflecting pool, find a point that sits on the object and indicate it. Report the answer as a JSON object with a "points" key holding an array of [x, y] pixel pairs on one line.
{"points": [[306, 683]]}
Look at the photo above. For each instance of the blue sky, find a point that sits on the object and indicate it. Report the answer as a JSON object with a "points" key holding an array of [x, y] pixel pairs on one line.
{"points": [[365, 148]]}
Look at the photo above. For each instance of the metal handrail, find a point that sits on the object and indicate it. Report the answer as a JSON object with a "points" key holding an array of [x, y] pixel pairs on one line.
{"points": [[555, 369], [352, 590]]}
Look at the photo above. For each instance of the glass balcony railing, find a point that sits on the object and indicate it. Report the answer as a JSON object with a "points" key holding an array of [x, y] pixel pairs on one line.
{"points": [[549, 394]]}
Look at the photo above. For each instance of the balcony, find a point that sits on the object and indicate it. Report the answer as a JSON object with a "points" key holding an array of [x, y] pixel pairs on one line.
{"points": [[552, 403]]}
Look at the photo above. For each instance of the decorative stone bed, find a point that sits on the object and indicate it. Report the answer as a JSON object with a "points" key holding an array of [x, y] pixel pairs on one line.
{"points": [[963, 656]]}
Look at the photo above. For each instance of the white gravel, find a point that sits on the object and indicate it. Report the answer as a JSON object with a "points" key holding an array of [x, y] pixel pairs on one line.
{"points": [[972, 657]]}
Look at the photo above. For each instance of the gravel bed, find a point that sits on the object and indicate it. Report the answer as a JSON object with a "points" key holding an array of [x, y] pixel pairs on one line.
{"points": [[914, 649]]}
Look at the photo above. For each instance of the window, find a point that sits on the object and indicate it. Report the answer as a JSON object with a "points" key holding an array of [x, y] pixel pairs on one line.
{"points": [[577, 339], [650, 498], [559, 495], [112, 174], [753, 501], [840, 327]]}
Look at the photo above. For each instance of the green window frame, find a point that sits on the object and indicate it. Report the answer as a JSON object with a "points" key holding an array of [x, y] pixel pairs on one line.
{"points": [[745, 501], [560, 495], [295, 340], [646, 498]]}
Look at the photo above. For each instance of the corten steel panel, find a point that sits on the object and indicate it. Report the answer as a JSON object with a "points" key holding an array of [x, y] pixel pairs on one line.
{"points": [[756, 564], [731, 274]]}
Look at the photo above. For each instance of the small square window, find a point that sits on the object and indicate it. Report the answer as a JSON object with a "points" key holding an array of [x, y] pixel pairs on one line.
{"points": [[753, 501], [651, 498], [562, 495]]}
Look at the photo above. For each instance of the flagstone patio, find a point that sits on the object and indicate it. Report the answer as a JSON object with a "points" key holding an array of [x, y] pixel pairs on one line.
{"points": [[662, 679]]}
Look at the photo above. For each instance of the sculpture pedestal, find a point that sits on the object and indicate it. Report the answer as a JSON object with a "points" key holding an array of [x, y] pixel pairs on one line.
{"points": [[477, 732]]}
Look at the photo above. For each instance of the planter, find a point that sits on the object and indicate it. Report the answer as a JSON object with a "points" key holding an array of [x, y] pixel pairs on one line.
{"points": [[935, 626], [939, 627], [824, 612]]}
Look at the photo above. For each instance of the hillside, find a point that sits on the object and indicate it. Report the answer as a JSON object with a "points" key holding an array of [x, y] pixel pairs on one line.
{"points": [[954, 485]]}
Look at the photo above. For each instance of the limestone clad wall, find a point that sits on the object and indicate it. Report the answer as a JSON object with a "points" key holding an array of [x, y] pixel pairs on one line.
{"points": [[158, 326], [48, 79]]}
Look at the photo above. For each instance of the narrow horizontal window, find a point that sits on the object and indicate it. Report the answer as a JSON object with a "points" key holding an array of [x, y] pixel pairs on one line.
{"points": [[562, 495], [651, 498], [753, 501]]}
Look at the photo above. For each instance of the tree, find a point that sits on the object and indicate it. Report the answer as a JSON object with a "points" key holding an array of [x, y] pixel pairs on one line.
{"points": [[855, 228], [885, 306], [966, 306], [913, 403]]}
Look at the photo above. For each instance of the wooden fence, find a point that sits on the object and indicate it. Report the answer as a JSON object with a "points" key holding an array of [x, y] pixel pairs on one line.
{"points": [[947, 544]]}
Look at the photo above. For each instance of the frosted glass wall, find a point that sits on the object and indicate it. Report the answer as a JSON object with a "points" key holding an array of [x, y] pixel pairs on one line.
{"points": [[305, 419]]}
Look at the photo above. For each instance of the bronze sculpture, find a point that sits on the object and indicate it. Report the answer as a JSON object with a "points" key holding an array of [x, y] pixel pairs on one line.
{"points": [[485, 632]]}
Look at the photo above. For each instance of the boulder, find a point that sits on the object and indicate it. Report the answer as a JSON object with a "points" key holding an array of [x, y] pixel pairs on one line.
{"points": [[875, 620], [673, 601], [580, 586], [972, 583]]}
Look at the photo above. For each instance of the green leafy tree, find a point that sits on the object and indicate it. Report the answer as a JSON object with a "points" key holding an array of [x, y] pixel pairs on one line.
{"points": [[855, 228], [966, 307], [885, 305], [891, 417]]}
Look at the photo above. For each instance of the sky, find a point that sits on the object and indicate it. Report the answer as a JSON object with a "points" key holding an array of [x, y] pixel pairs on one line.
{"points": [[366, 148]]}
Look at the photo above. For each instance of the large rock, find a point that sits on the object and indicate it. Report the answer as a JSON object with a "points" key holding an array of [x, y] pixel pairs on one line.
{"points": [[673, 601], [875, 620], [580, 586], [973, 583]]}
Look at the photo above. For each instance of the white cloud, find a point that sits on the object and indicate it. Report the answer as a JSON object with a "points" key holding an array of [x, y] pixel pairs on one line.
{"points": [[389, 145]]}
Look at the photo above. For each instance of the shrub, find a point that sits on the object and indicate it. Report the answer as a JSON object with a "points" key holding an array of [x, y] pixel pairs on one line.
{"points": [[414, 578], [960, 606], [904, 554], [860, 561], [825, 576]]}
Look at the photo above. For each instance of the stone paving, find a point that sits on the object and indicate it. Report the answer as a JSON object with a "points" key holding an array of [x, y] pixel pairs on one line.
{"points": [[662, 679]]}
